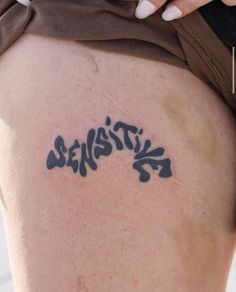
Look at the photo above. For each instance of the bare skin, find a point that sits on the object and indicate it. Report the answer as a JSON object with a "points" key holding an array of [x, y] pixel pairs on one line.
{"points": [[109, 232]]}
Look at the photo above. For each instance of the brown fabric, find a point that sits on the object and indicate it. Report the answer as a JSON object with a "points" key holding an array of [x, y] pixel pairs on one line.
{"points": [[111, 25]]}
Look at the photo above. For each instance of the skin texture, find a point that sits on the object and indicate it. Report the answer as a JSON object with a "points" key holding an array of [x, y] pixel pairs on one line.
{"points": [[109, 232], [185, 7]]}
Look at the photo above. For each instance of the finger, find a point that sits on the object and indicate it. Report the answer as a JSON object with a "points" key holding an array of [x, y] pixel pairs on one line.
{"points": [[229, 2], [179, 8], [146, 8]]}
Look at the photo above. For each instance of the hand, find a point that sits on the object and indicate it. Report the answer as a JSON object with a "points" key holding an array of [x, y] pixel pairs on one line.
{"points": [[175, 9]]}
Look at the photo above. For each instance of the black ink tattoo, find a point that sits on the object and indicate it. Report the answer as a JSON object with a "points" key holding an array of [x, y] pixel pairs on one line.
{"points": [[100, 142]]}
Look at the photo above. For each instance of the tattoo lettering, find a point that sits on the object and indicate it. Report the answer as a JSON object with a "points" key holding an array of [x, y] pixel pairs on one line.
{"points": [[101, 142]]}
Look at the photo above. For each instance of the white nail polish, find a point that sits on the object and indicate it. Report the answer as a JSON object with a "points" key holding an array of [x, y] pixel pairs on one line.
{"points": [[172, 12], [144, 9], [24, 2]]}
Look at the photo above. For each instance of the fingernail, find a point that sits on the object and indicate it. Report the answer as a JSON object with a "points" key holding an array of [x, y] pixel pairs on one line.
{"points": [[172, 12], [24, 2], [144, 9]]}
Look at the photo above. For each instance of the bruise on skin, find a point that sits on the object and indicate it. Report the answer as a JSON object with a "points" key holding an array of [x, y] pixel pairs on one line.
{"points": [[81, 284], [198, 249], [201, 136], [174, 109]]}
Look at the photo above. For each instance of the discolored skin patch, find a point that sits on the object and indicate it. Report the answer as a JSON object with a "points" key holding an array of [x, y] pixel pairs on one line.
{"points": [[175, 110], [196, 239], [200, 134], [203, 141], [81, 284]]}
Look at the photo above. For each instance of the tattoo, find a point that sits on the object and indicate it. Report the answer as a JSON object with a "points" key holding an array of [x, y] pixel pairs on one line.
{"points": [[101, 142]]}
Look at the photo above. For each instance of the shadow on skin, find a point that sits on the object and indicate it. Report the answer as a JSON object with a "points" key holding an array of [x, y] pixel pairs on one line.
{"points": [[234, 216], [3, 204]]}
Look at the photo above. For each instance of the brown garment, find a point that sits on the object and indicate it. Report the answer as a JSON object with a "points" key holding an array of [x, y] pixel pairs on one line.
{"points": [[111, 25]]}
